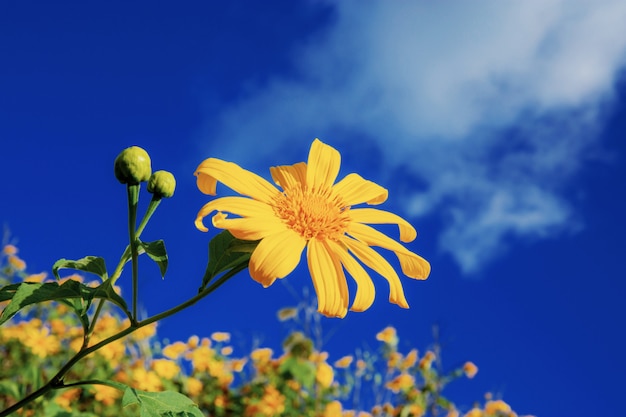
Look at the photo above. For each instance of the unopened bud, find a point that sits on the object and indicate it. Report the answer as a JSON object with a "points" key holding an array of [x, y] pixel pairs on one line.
{"points": [[132, 166], [162, 184]]}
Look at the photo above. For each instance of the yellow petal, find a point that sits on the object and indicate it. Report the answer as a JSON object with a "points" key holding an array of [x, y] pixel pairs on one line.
{"points": [[249, 228], [276, 256], [354, 189], [240, 206], [323, 166], [413, 265], [375, 261], [233, 176], [375, 216], [288, 176], [326, 273], [365, 291]]}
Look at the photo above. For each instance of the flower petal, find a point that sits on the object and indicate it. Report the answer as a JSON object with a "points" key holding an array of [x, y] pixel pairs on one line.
{"points": [[233, 176], [365, 290], [240, 206], [328, 280], [276, 256], [374, 260], [323, 166], [288, 176], [249, 228], [354, 190], [413, 265], [375, 216]]}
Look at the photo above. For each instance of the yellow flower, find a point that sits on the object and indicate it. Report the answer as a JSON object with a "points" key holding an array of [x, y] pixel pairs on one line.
{"points": [[344, 362], [226, 350], [387, 335], [175, 350], [324, 375], [401, 383], [312, 212], [40, 277], [494, 406], [165, 368], [470, 369], [17, 263], [106, 395], [220, 336], [427, 361], [194, 386], [409, 360], [271, 404], [474, 412], [9, 250], [332, 409], [261, 354], [67, 398]]}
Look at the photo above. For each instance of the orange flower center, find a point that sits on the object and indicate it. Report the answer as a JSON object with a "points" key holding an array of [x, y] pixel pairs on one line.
{"points": [[313, 214]]}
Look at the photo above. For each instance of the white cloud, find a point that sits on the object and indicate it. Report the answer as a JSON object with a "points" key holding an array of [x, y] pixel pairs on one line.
{"points": [[492, 104]]}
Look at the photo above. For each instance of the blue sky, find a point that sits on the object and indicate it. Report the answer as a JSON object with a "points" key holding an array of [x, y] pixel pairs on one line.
{"points": [[497, 128]]}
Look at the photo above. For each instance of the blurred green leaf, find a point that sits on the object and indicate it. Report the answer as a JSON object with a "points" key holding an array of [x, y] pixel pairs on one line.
{"points": [[28, 293], [156, 251], [92, 264], [161, 404], [300, 370]]}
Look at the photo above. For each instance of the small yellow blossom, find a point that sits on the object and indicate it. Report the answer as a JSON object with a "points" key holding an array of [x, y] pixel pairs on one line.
{"points": [[40, 277], [388, 336], [394, 360], [261, 354], [201, 358], [410, 360], [494, 406], [165, 368], [220, 337], [238, 364], [271, 404], [174, 350], [452, 412], [470, 369], [427, 361], [324, 375], [474, 412], [9, 250], [146, 380], [312, 211], [17, 263], [344, 362], [67, 398], [194, 386], [401, 383], [226, 350], [193, 342], [145, 332], [332, 409], [106, 395], [220, 401]]}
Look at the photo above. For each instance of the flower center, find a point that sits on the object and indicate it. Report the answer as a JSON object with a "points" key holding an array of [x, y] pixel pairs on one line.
{"points": [[313, 213]]}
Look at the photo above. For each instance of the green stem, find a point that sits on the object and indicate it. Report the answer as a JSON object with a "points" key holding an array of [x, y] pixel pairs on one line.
{"points": [[57, 381], [133, 198]]}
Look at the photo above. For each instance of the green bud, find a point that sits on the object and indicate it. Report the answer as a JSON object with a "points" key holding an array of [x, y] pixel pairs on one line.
{"points": [[132, 166], [162, 184]]}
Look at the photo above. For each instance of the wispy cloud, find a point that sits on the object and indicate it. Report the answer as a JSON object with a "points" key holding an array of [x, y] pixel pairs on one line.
{"points": [[492, 105]]}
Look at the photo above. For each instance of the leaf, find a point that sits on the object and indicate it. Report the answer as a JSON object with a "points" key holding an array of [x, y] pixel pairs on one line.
{"points": [[28, 293], [156, 251], [226, 252], [300, 370], [92, 264], [161, 404]]}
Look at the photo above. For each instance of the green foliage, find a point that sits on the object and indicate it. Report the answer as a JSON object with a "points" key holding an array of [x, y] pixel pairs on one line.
{"points": [[155, 251], [160, 404], [92, 264], [226, 253]]}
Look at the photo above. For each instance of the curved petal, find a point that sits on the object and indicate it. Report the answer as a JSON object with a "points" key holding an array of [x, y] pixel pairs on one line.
{"points": [[249, 228], [375, 216], [326, 273], [374, 260], [365, 290], [240, 206], [354, 189], [323, 166], [413, 265], [212, 170], [276, 256], [288, 176]]}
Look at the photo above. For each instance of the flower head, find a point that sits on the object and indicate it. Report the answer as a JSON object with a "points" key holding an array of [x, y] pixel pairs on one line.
{"points": [[311, 211]]}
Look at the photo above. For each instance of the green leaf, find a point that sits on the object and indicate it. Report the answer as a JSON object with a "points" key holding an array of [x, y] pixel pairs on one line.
{"points": [[161, 404], [226, 252], [28, 293], [92, 264], [299, 369], [156, 251]]}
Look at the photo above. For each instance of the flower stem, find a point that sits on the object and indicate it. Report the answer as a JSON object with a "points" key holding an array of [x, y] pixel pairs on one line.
{"points": [[133, 199]]}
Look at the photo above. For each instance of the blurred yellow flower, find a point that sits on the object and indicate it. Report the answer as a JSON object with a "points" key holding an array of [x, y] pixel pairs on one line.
{"points": [[226, 350], [474, 412], [67, 397], [312, 212], [387, 335], [146, 380], [40, 277], [174, 350], [165, 368], [106, 395], [332, 409], [470, 369], [271, 404], [344, 362], [427, 361], [16, 263], [194, 386], [494, 406], [193, 342], [452, 412], [261, 354], [401, 383], [409, 360], [324, 375], [220, 336], [9, 250]]}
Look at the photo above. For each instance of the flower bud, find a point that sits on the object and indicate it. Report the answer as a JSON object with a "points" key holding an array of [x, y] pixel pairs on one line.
{"points": [[162, 184], [132, 166]]}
